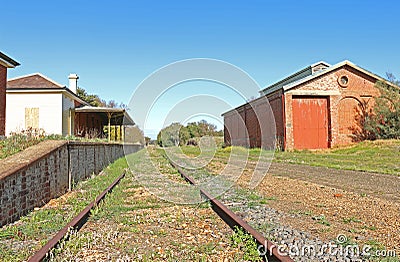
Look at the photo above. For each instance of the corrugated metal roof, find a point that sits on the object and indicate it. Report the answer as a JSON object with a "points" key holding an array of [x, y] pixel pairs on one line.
{"points": [[8, 61], [114, 111]]}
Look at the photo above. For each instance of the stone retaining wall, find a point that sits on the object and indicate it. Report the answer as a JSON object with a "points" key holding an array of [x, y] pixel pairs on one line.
{"points": [[33, 179]]}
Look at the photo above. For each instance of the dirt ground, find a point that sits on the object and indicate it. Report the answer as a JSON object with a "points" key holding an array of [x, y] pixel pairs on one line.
{"points": [[378, 185], [363, 206]]}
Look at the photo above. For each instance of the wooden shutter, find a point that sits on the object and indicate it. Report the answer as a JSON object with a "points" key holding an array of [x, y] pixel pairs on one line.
{"points": [[32, 117]]}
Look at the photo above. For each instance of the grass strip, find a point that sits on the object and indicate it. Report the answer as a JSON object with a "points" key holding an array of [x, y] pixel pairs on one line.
{"points": [[20, 240]]}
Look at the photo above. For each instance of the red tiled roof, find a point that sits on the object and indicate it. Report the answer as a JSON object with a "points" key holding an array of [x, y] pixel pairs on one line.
{"points": [[34, 81]]}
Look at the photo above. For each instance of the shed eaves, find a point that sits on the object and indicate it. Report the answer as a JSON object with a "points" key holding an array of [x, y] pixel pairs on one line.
{"points": [[332, 68], [307, 71], [107, 110]]}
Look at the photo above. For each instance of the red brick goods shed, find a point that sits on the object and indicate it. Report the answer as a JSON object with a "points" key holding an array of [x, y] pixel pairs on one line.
{"points": [[313, 108]]}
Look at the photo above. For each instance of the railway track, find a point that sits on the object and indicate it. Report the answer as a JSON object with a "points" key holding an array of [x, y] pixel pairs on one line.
{"points": [[233, 221], [228, 216], [74, 225]]}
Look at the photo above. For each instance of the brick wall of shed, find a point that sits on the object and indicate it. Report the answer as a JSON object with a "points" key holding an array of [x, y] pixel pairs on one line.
{"points": [[3, 85], [275, 101], [289, 140], [360, 88], [227, 126], [48, 176], [253, 124], [235, 132], [266, 122]]}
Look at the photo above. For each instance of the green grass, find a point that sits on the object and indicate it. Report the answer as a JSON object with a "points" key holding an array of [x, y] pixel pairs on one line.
{"points": [[17, 143], [351, 220], [247, 244], [381, 156], [35, 229], [191, 151], [360, 157], [253, 153], [372, 228], [302, 212], [322, 220], [142, 224], [254, 198]]}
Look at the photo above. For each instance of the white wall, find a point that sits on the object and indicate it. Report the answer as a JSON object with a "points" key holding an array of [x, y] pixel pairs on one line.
{"points": [[67, 104], [50, 111]]}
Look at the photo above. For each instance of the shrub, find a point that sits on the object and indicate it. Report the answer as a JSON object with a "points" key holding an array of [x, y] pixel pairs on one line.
{"points": [[383, 121], [191, 142], [18, 142]]}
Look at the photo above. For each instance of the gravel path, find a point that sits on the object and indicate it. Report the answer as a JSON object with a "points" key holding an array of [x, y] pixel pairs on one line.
{"points": [[301, 245], [314, 207], [378, 185]]}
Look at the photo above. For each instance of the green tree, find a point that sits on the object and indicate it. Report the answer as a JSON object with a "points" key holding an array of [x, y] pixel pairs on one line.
{"points": [[133, 134], [208, 128], [184, 135], [177, 134], [202, 128], [170, 135], [193, 129], [93, 100], [383, 121]]}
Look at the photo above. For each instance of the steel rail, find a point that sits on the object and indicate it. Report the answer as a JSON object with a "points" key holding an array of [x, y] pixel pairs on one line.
{"points": [[76, 223], [234, 221]]}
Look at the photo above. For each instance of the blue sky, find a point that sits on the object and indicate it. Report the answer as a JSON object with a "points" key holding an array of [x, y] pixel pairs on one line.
{"points": [[114, 45]]}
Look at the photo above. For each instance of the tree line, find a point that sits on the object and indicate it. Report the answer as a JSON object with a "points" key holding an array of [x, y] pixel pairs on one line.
{"points": [[95, 100], [177, 134]]}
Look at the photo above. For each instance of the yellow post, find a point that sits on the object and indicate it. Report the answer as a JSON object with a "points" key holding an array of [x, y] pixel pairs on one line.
{"points": [[69, 121], [122, 134], [109, 125]]}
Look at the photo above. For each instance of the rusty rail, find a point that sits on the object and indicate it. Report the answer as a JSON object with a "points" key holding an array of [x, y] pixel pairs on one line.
{"points": [[76, 223], [233, 221]]}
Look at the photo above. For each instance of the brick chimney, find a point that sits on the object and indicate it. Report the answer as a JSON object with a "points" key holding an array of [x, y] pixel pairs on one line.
{"points": [[73, 82]]}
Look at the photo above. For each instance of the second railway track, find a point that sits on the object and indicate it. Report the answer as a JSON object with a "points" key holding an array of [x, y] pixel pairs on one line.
{"points": [[244, 212], [271, 252]]}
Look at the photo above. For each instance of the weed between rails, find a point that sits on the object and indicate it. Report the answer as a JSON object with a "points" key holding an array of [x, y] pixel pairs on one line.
{"points": [[247, 244], [20, 240], [146, 228]]}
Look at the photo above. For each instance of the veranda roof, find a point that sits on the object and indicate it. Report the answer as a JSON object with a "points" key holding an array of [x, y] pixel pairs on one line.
{"points": [[115, 113]]}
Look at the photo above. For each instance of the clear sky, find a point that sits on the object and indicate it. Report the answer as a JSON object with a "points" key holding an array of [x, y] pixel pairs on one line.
{"points": [[114, 45]]}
